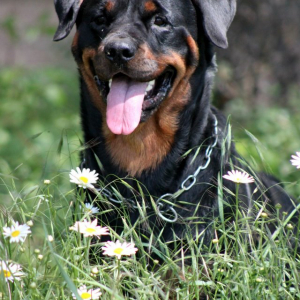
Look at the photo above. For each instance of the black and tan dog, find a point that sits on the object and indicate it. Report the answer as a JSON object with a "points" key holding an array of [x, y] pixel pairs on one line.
{"points": [[146, 71]]}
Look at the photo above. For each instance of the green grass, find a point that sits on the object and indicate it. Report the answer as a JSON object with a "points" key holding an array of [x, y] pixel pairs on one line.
{"points": [[40, 139], [267, 136], [243, 261], [39, 115]]}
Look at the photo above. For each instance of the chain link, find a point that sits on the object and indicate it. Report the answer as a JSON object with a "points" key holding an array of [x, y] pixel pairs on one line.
{"points": [[109, 195], [165, 203], [185, 186]]}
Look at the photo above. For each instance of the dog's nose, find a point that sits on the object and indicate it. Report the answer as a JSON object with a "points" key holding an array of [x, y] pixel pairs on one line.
{"points": [[120, 51]]}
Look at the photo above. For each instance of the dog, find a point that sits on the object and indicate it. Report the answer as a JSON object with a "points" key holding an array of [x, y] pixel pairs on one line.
{"points": [[146, 73]]}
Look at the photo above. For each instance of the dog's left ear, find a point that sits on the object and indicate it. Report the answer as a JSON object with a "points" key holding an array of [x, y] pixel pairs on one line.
{"points": [[217, 17], [67, 11]]}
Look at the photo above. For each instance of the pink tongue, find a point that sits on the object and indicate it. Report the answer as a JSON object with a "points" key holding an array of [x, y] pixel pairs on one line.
{"points": [[124, 104]]}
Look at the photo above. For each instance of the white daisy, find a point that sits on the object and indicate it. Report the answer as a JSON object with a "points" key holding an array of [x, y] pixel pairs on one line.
{"points": [[118, 249], [89, 228], [50, 238], [296, 160], [16, 233], [83, 178], [10, 272], [84, 293], [238, 177], [89, 209]]}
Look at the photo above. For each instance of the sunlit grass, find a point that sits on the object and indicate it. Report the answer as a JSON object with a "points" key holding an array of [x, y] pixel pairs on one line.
{"points": [[244, 260]]}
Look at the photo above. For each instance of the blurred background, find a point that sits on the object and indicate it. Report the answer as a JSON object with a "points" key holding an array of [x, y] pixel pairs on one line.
{"points": [[257, 84]]}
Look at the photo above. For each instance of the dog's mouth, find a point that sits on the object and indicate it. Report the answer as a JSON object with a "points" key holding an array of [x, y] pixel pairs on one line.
{"points": [[130, 101]]}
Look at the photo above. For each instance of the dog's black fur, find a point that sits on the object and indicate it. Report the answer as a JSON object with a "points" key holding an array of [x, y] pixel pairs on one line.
{"points": [[137, 41]]}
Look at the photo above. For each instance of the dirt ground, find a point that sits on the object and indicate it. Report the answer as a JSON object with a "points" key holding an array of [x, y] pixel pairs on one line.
{"points": [[26, 28]]}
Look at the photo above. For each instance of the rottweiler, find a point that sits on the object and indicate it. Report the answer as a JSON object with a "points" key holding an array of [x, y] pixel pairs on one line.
{"points": [[146, 73]]}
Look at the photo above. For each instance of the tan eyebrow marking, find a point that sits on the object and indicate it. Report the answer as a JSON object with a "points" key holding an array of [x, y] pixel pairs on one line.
{"points": [[150, 6], [109, 5]]}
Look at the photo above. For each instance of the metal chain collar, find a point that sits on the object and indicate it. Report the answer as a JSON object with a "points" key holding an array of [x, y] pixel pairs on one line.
{"points": [[165, 203]]}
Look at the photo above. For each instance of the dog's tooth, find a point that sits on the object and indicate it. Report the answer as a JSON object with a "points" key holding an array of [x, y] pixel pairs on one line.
{"points": [[150, 85], [109, 83]]}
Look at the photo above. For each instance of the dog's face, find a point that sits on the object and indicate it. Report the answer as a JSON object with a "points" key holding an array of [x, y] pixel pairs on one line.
{"points": [[140, 51], [136, 53]]}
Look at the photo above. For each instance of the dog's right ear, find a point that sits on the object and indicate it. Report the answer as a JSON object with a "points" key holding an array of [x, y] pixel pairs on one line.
{"points": [[67, 11], [217, 17]]}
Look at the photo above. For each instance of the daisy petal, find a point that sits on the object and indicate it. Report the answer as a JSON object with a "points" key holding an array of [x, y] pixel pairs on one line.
{"points": [[83, 178], [88, 228], [16, 233], [238, 177], [296, 160], [11, 271], [89, 209], [118, 249], [84, 293]]}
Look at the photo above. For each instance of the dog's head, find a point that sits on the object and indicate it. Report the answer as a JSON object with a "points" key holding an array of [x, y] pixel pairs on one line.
{"points": [[140, 53]]}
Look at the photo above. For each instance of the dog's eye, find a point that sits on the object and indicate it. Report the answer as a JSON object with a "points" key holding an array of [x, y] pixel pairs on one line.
{"points": [[160, 21], [100, 20]]}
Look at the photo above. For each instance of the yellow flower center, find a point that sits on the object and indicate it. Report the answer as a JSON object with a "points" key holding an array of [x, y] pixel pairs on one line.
{"points": [[86, 295], [15, 233], [118, 251], [6, 273], [90, 230], [84, 179]]}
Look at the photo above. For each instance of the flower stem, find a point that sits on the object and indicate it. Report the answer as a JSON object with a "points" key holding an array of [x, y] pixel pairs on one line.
{"points": [[117, 277], [237, 216], [237, 203], [119, 271]]}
